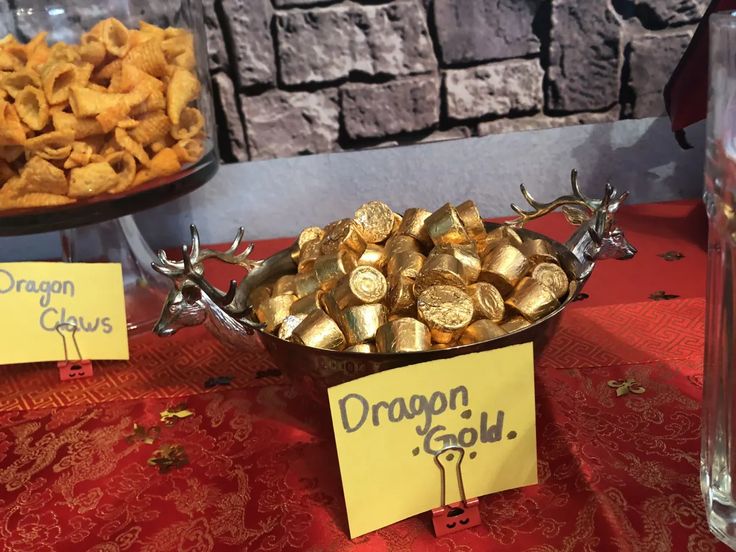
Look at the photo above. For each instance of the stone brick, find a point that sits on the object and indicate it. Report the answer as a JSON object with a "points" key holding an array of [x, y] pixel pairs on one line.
{"points": [[450, 134], [302, 3], [583, 72], [327, 44], [216, 50], [282, 124], [375, 110], [482, 30], [540, 122], [494, 89], [658, 14], [651, 62], [227, 106], [248, 30]]}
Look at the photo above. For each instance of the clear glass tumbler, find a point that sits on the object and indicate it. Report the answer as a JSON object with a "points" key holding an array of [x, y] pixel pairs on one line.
{"points": [[718, 454]]}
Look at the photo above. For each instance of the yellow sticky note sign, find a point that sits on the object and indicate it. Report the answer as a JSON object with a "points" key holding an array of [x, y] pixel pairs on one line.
{"points": [[36, 297], [388, 427]]}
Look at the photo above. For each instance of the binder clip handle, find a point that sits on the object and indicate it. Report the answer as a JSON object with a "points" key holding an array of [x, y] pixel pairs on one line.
{"points": [[456, 516], [72, 369]]}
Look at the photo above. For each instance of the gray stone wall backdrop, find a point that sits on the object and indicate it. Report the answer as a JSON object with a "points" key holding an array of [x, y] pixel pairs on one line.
{"points": [[295, 77]]}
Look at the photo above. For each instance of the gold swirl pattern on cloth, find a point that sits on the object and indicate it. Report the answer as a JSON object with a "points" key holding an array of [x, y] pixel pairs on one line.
{"points": [[262, 471]]}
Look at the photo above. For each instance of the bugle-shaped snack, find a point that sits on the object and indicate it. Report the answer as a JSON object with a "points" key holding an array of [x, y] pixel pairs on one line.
{"points": [[183, 88], [32, 107], [40, 176], [91, 180]]}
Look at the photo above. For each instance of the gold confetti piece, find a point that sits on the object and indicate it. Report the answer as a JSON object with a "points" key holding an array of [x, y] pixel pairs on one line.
{"points": [[170, 415], [169, 457], [624, 387], [140, 433], [662, 296], [671, 256]]}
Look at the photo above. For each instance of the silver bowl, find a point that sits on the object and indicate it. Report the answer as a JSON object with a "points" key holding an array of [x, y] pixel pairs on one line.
{"points": [[193, 300]]}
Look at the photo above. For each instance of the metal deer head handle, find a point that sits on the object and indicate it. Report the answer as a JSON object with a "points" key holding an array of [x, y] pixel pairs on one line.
{"points": [[598, 236], [194, 297]]}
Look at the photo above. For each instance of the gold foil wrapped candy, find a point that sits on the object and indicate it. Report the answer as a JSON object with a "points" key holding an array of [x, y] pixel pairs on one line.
{"points": [[401, 242], [439, 270], [413, 225], [374, 255], [289, 324], [365, 284], [552, 276], [469, 215], [481, 330], [385, 283], [538, 251], [403, 335], [273, 310], [532, 299], [308, 303], [284, 285], [515, 323], [308, 254], [310, 234], [487, 302], [306, 283], [445, 227], [320, 331], [401, 300], [446, 310], [361, 348], [496, 237], [504, 267], [360, 323], [406, 263], [468, 257], [344, 236], [376, 221], [330, 268]]}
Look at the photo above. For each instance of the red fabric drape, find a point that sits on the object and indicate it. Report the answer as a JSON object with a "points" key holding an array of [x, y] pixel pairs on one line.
{"points": [[686, 93]]}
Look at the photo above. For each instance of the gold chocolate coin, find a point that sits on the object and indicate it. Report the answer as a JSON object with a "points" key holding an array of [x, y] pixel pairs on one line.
{"points": [[376, 221], [552, 276], [487, 301]]}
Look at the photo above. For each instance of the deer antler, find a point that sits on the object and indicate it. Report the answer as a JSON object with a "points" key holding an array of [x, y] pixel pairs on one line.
{"points": [[540, 209], [191, 266]]}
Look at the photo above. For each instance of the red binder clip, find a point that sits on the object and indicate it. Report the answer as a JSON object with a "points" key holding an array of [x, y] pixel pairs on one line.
{"points": [[72, 369], [451, 518]]}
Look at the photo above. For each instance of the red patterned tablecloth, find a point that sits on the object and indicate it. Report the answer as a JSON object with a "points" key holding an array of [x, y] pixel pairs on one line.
{"points": [[614, 473]]}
